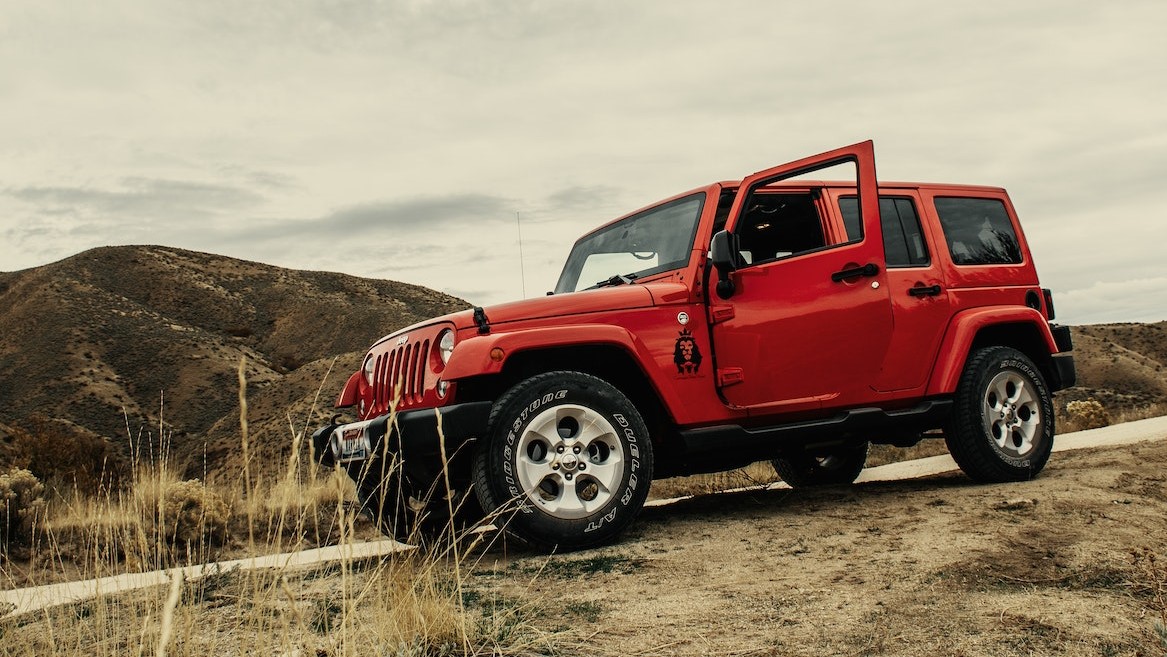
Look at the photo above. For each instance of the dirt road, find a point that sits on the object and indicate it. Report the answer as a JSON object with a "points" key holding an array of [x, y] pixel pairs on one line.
{"points": [[931, 566]]}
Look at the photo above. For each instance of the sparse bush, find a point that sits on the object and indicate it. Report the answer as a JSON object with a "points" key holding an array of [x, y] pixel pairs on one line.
{"points": [[190, 513], [1087, 414], [21, 500], [63, 458]]}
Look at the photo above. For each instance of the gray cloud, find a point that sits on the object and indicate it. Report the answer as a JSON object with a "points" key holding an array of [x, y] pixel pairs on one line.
{"points": [[139, 197]]}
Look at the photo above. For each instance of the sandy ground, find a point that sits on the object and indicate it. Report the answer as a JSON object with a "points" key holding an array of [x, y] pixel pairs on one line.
{"points": [[930, 566]]}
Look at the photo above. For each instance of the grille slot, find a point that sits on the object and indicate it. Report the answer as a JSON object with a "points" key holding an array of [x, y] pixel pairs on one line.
{"points": [[403, 366]]}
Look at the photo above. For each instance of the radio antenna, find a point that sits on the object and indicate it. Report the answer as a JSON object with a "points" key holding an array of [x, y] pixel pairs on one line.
{"points": [[522, 268]]}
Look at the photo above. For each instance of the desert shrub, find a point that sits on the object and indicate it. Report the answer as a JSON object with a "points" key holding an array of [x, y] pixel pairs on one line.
{"points": [[21, 500], [190, 513], [63, 458], [1087, 414]]}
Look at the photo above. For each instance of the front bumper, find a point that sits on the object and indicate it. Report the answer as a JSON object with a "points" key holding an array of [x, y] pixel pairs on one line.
{"points": [[413, 436]]}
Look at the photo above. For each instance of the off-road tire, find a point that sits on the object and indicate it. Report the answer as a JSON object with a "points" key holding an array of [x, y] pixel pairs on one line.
{"points": [[837, 467], [540, 494], [1002, 425]]}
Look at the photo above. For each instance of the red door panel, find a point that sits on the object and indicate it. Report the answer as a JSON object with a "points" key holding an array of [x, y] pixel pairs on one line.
{"points": [[797, 334]]}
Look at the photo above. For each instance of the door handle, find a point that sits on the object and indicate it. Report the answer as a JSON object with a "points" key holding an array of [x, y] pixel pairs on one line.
{"points": [[870, 269], [924, 291]]}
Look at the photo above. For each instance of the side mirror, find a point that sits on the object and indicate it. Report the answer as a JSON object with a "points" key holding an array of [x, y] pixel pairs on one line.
{"points": [[723, 254]]}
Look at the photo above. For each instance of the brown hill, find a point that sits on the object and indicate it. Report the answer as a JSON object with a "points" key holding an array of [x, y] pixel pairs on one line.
{"points": [[118, 341], [1124, 366]]}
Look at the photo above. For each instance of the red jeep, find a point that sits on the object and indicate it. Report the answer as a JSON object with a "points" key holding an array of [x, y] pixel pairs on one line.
{"points": [[776, 317]]}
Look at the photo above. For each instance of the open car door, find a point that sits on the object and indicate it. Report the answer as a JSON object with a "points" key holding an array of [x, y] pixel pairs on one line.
{"points": [[802, 318]]}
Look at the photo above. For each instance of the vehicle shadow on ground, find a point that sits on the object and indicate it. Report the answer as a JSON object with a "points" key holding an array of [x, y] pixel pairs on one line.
{"points": [[784, 501]]}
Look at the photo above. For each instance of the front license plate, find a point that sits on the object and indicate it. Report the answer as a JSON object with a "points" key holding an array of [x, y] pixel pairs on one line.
{"points": [[352, 443]]}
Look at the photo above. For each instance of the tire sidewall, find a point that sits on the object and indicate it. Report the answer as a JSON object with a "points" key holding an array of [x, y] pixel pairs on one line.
{"points": [[1013, 361], [515, 413]]}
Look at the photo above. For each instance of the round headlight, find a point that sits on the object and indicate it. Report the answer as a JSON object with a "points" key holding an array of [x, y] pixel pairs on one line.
{"points": [[368, 369], [446, 345]]}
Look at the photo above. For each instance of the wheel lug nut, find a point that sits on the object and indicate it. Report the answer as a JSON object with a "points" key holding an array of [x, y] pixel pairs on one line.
{"points": [[575, 449], [554, 466], [559, 449], [567, 476], [582, 466]]}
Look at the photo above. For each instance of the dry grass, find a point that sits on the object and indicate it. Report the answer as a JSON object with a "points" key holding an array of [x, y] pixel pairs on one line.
{"points": [[411, 603]]}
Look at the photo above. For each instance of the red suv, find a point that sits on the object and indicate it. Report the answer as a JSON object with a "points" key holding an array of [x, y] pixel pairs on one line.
{"points": [[778, 317]]}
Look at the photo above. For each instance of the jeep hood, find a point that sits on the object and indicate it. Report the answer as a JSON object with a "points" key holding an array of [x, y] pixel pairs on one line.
{"points": [[606, 299], [622, 297]]}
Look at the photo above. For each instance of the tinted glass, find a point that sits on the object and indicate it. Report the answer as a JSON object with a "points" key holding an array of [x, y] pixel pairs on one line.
{"points": [[654, 241], [978, 231], [777, 225], [903, 240]]}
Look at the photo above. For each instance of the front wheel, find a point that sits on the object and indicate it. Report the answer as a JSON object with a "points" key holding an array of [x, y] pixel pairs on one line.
{"points": [[567, 461], [837, 467], [1002, 426]]}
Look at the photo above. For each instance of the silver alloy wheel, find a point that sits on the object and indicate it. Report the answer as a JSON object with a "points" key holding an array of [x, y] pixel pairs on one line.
{"points": [[1012, 413], [570, 461]]}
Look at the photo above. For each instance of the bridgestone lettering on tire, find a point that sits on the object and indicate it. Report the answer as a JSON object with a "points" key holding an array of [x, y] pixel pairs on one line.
{"points": [[568, 460], [1002, 427]]}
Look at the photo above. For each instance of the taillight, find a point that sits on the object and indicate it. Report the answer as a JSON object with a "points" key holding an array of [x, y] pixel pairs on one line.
{"points": [[1049, 303]]}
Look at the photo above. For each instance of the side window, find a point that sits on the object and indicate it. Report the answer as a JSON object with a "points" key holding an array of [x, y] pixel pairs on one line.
{"points": [[776, 225], [978, 231], [903, 239]]}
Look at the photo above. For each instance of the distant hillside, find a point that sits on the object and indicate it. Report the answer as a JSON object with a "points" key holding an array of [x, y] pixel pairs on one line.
{"points": [[115, 340], [1124, 366]]}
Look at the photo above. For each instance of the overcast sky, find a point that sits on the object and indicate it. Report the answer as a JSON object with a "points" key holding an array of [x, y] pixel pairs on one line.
{"points": [[399, 139]]}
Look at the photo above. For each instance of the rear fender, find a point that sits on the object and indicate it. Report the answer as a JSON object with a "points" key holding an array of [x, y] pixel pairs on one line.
{"points": [[962, 332]]}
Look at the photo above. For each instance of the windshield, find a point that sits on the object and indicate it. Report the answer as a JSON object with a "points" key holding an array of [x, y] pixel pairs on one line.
{"points": [[651, 242]]}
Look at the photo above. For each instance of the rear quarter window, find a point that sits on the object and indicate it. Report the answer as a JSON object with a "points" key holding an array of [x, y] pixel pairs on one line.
{"points": [[978, 231]]}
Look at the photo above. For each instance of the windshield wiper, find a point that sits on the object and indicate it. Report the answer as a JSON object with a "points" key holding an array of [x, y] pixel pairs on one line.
{"points": [[616, 280]]}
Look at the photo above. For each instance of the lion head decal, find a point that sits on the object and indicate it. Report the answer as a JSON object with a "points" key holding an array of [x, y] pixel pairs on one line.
{"points": [[686, 355]]}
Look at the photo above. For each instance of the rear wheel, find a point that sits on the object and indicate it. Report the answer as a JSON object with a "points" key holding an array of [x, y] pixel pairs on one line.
{"points": [[567, 461], [838, 466], [1002, 427]]}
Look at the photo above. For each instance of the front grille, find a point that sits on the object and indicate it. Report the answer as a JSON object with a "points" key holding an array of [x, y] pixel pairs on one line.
{"points": [[399, 376]]}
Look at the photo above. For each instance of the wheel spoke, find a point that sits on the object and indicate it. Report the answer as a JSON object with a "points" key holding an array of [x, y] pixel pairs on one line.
{"points": [[543, 427], [594, 430], [535, 471], [567, 501], [607, 474]]}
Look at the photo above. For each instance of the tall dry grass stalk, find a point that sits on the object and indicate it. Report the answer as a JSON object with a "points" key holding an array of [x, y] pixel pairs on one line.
{"points": [[417, 602]]}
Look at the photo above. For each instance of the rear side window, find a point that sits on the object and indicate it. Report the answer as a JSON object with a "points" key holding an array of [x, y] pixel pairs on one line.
{"points": [[978, 231], [903, 240]]}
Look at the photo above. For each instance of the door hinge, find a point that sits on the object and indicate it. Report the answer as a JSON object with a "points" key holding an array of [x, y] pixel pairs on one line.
{"points": [[728, 376], [721, 314]]}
